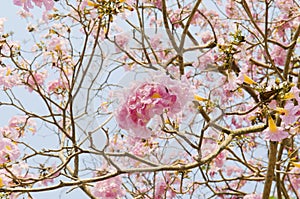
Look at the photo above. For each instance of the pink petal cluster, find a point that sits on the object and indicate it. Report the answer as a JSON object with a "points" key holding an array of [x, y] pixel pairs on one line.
{"points": [[58, 86], [8, 78], [109, 189], [162, 189], [291, 113], [274, 133], [8, 151], [22, 123], [35, 78], [279, 55], [210, 144], [150, 98], [18, 171], [294, 177], [27, 4], [16, 128]]}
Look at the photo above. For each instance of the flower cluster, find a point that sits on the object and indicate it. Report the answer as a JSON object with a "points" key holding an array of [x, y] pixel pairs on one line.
{"points": [[9, 150], [110, 188], [27, 4], [145, 100], [8, 78]]}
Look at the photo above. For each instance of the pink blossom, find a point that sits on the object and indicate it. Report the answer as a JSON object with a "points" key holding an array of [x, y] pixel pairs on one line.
{"points": [[8, 151], [9, 133], [230, 169], [175, 18], [162, 190], [210, 144], [206, 36], [155, 41], [220, 159], [284, 5], [231, 8], [22, 123], [121, 40], [283, 25], [232, 81], [57, 86], [35, 78], [19, 171], [28, 5], [25, 3], [274, 133], [294, 177], [109, 189], [273, 104], [47, 3], [8, 78], [50, 180], [204, 61], [143, 101], [279, 55], [290, 113], [295, 93], [57, 44]]}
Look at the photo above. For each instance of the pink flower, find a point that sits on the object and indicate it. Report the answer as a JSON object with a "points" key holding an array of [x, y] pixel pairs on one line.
{"points": [[279, 55], [121, 40], [204, 61], [57, 44], [294, 177], [232, 81], [22, 123], [295, 93], [9, 133], [220, 159], [49, 180], [162, 190], [230, 169], [8, 78], [47, 3], [274, 133], [206, 36], [27, 4], [109, 189], [8, 151], [58, 86], [231, 10], [290, 113], [34, 79], [284, 5], [151, 98]]}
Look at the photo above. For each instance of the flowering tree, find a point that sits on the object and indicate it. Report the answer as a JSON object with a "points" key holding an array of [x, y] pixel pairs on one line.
{"points": [[152, 99]]}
